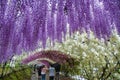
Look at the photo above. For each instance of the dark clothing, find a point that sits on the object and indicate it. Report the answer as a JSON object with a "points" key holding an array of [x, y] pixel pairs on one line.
{"points": [[51, 77], [35, 67], [39, 68], [57, 67], [57, 76], [39, 71]]}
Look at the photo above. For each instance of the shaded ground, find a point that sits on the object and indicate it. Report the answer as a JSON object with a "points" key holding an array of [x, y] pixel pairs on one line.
{"points": [[62, 77]]}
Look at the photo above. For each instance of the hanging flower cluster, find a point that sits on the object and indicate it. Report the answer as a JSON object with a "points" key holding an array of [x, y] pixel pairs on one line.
{"points": [[23, 23], [98, 58]]}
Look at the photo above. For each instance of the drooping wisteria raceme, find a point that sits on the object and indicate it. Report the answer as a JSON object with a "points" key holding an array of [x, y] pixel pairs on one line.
{"points": [[98, 58], [23, 23]]}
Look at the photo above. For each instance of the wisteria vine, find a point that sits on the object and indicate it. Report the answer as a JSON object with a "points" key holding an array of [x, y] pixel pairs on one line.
{"points": [[23, 23]]}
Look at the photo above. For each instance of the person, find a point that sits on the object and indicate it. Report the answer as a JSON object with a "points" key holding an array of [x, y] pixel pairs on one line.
{"points": [[39, 72], [34, 67], [43, 72], [33, 76], [39, 67], [51, 72], [57, 67]]}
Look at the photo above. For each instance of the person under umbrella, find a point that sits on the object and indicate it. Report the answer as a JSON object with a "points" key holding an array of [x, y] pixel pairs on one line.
{"points": [[57, 67]]}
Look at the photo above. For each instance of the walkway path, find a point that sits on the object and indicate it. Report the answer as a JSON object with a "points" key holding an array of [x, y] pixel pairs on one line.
{"points": [[34, 76]]}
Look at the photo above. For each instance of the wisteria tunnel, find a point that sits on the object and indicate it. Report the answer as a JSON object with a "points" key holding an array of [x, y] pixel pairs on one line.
{"points": [[82, 36]]}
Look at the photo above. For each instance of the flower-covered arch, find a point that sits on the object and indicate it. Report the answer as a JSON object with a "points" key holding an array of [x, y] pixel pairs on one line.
{"points": [[53, 55]]}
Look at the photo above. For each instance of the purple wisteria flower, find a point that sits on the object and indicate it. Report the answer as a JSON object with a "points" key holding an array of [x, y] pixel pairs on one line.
{"points": [[24, 23]]}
